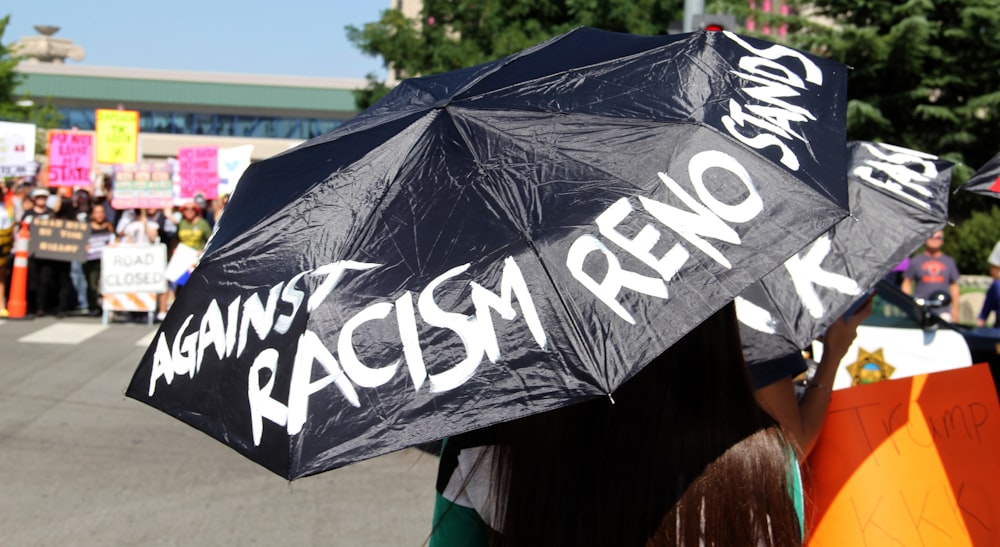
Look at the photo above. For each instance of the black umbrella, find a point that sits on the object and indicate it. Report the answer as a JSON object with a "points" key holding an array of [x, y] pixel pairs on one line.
{"points": [[497, 241], [986, 180], [898, 198]]}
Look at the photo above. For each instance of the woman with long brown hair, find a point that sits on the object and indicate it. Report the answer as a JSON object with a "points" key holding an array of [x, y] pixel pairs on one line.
{"points": [[683, 455]]}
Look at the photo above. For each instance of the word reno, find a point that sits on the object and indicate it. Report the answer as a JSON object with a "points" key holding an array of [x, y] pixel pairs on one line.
{"points": [[706, 218], [894, 164], [227, 335], [773, 116]]}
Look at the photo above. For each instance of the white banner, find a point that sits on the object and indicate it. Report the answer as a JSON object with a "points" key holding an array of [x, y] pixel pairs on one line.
{"points": [[232, 163], [17, 149], [134, 268]]}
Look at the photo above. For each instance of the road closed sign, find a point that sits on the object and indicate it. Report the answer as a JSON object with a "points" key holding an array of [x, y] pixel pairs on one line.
{"points": [[134, 269]]}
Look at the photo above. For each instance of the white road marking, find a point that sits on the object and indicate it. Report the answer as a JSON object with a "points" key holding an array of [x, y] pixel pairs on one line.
{"points": [[64, 332], [145, 341]]}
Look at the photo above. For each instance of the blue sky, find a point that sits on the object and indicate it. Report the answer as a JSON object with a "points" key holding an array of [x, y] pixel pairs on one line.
{"points": [[289, 37]]}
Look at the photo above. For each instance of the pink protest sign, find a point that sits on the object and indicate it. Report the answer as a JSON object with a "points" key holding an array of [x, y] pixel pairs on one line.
{"points": [[199, 171], [70, 158]]}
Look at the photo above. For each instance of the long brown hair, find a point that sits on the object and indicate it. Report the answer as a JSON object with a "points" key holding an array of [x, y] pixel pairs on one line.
{"points": [[683, 456]]}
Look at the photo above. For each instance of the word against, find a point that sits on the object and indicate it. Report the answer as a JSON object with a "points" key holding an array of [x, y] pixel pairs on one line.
{"points": [[774, 116], [706, 218], [227, 335]]}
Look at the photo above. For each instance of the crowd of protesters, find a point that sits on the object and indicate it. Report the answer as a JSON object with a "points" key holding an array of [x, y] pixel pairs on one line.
{"points": [[61, 288]]}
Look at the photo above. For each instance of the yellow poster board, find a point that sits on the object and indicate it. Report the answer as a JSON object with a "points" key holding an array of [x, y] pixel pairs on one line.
{"points": [[117, 135], [912, 461]]}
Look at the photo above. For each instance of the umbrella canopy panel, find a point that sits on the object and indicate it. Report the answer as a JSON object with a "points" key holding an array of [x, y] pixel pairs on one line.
{"points": [[483, 246], [898, 198], [985, 181]]}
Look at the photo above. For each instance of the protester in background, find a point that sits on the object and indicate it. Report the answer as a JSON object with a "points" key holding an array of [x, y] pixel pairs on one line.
{"points": [[932, 271], [139, 229], [101, 235], [683, 455], [207, 208], [994, 261], [991, 304], [102, 196], [193, 230], [166, 227], [21, 193], [69, 274], [80, 206], [49, 288]]}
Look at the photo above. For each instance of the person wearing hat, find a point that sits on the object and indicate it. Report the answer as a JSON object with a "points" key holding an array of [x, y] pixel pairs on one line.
{"points": [[47, 279], [193, 230]]}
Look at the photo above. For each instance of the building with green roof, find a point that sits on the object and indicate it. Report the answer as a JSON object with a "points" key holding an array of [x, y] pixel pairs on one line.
{"points": [[180, 108]]}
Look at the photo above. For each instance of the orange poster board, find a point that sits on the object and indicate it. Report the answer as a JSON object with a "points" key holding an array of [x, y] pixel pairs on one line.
{"points": [[914, 461]]}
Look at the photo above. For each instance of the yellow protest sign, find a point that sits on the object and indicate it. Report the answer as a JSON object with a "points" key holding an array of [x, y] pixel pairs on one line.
{"points": [[909, 462], [117, 135]]}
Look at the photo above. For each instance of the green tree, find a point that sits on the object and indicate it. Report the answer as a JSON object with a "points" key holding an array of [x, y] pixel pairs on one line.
{"points": [[22, 108], [970, 242], [452, 34], [924, 74]]}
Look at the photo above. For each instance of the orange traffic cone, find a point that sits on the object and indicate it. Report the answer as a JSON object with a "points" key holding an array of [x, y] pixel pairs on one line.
{"points": [[17, 304]]}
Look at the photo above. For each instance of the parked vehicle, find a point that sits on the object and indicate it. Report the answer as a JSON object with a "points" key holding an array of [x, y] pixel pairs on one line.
{"points": [[904, 337]]}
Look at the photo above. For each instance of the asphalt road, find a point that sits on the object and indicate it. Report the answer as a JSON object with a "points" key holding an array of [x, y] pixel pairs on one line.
{"points": [[80, 464]]}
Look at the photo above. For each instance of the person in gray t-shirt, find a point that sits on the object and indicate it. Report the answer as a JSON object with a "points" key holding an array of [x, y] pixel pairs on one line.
{"points": [[932, 271]]}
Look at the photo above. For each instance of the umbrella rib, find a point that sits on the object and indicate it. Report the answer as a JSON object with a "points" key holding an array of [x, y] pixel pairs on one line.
{"points": [[604, 381]]}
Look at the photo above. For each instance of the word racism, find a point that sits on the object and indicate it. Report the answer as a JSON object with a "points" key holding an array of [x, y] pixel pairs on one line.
{"points": [[223, 331]]}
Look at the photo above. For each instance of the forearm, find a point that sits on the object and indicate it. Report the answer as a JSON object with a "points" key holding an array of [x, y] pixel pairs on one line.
{"points": [[814, 403]]}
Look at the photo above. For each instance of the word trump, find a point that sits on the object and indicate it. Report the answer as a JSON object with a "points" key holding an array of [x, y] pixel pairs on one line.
{"points": [[227, 335]]}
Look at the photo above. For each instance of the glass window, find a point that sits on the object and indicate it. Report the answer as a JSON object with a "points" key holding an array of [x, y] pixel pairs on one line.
{"points": [[189, 123], [888, 314]]}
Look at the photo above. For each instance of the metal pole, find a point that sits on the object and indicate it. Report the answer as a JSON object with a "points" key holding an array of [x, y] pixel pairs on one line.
{"points": [[692, 8]]}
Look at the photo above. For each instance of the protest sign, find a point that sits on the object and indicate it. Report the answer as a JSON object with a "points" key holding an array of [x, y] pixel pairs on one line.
{"points": [[58, 239], [17, 149], [909, 462], [117, 135], [199, 171], [134, 269], [6, 238], [70, 158], [182, 263], [142, 185], [232, 163]]}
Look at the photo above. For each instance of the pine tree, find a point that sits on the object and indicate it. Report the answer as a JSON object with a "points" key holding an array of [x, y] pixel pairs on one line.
{"points": [[925, 75]]}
